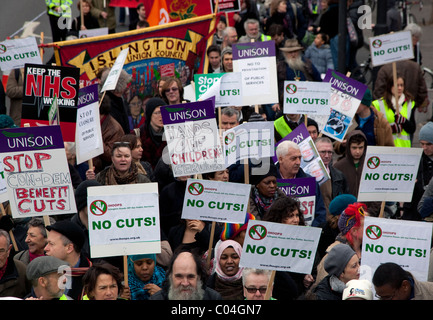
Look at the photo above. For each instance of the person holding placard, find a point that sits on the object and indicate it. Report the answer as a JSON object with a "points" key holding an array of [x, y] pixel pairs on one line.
{"points": [[342, 265], [287, 210], [392, 282], [414, 82], [122, 170], [400, 113], [90, 22], [227, 276]]}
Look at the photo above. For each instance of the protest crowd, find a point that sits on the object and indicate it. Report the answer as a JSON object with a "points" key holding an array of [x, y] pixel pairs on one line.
{"points": [[144, 148]]}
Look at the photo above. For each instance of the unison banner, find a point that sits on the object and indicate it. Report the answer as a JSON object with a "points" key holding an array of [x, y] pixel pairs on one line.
{"points": [[166, 50]]}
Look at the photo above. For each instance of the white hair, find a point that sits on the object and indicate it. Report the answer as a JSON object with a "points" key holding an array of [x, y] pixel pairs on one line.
{"points": [[283, 148], [247, 271]]}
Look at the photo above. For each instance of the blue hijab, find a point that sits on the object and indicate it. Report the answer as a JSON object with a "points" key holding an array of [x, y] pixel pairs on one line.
{"points": [[136, 285]]}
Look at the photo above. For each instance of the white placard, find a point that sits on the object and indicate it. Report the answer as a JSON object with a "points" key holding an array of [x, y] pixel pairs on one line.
{"points": [[391, 47], [111, 81], [15, 53], [307, 97], [406, 243], [216, 201], [249, 140], [281, 247], [123, 220], [389, 174]]}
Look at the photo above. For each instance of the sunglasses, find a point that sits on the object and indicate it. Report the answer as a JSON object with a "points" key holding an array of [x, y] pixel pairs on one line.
{"points": [[254, 290], [171, 89]]}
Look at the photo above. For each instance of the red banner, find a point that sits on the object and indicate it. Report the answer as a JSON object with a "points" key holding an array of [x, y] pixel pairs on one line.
{"points": [[176, 48], [177, 9]]}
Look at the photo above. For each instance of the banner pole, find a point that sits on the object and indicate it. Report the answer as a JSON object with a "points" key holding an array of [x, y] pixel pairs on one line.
{"points": [[268, 289], [209, 252]]}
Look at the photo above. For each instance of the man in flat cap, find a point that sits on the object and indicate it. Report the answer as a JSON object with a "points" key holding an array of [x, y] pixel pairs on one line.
{"points": [[65, 241], [45, 272]]}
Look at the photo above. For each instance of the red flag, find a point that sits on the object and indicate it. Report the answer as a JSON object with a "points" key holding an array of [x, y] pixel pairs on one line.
{"points": [[158, 14]]}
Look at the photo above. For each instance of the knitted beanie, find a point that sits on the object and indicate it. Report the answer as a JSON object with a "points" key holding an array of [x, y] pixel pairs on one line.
{"points": [[426, 132]]}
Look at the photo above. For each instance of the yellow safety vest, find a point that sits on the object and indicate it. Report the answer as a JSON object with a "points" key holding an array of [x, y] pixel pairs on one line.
{"points": [[402, 139], [282, 127], [64, 4]]}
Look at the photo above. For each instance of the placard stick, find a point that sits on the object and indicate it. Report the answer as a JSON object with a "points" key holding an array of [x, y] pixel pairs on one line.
{"points": [[394, 76], [209, 251], [82, 14], [269, 288], [11, 235], [41, 50], [125, 270], [382, 209]]}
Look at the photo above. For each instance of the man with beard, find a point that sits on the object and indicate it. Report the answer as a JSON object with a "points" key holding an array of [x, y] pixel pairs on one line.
{"points": [[294, 67], [186, 280]]}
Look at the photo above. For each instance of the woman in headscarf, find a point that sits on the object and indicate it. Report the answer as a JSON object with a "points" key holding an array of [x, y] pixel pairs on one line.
{"points": [[264, 191], [145, 278], [227, 277]]}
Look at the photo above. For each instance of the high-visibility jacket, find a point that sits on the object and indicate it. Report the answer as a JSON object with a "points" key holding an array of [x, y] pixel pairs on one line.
{"points": [[64, 4], [282, 127], [402, 139]]}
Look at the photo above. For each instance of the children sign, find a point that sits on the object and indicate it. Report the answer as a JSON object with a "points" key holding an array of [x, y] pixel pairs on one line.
{"points": [[389, 174], [392, 47], [123, 220], [406, 243], [279, 246], [192, 138], [216, 201], [37, 172]]}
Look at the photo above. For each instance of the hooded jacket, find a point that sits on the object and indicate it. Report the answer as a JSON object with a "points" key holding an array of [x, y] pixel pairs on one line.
{"points": [[347, 165]]}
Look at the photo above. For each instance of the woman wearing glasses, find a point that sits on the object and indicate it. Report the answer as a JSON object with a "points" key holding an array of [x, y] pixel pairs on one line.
{"points": [[172, 91]]}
